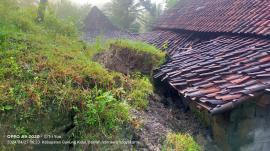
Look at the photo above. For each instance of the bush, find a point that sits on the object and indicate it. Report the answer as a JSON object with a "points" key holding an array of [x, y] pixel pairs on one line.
{"points": [[180, 142], [141, 89], [102, 113]]}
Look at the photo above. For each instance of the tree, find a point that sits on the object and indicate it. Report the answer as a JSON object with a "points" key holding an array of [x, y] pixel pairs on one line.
{"points": [[171, 3], [41, 10], [67, 10], [153, 11], [133, 15], [153, 8], [124, 13]]}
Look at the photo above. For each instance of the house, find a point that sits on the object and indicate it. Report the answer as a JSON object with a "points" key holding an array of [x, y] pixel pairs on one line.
{"points": [[97, 24], [219, 66]]}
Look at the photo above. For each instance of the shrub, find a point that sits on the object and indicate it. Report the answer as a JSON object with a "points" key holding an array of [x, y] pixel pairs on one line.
{"points": [[180, 142], [102, 113], [139, 95]]}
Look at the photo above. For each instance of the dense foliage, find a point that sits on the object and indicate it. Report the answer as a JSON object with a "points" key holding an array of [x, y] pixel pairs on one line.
{"points": [[133, 15]]}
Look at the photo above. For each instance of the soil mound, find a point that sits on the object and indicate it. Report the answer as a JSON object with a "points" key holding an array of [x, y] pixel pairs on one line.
{"points": [[127, 60]]}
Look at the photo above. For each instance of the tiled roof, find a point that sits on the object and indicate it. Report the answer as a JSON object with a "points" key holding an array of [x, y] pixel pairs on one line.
{"points": [[97, 21], [91, 37], [221, 72], [170, 41], [215, 71], [233, 16], [97, 24]]}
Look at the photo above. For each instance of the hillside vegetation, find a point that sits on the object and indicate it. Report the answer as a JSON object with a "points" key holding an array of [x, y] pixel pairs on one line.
{"points": [[49, 85]]}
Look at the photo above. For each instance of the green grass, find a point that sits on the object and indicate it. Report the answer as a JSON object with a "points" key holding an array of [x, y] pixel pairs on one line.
{"points": [[140, 47], [48, 80], [137, 45], [180, 142], [156, 56]]}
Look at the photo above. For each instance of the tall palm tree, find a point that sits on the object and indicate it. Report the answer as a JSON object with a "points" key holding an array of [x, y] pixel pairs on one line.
{"points": [[131, 14], [124, 13]]}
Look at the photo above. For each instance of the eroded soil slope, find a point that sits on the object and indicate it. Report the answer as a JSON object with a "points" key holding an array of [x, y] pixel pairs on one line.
{"points": [[126, 60]]}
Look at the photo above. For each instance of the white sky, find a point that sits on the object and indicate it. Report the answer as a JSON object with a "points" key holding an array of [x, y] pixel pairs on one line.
{"points": [[101, 2]]}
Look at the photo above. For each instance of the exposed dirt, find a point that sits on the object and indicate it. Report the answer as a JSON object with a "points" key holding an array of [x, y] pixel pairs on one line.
{"points": [[125, 60], [159, 119], [151, 126]]}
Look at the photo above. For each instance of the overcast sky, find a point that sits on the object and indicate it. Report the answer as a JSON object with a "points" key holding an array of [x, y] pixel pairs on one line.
{"points": [[101, 2]]}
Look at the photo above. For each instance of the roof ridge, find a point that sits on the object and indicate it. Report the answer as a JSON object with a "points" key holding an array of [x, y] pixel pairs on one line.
{"points": [[221, 16], [96, 20]]}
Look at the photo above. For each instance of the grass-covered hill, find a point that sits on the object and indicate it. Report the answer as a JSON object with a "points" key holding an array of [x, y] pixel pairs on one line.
{"points": [[50, 85]]}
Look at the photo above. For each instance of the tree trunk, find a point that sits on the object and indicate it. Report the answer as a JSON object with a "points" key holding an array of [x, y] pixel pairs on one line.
{"points": [[41, 10]]}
